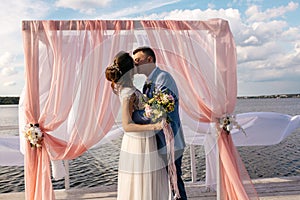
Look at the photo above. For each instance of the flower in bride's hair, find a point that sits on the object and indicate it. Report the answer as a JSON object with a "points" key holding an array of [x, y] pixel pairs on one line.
{"points": [[34, 135], [115, 67]]}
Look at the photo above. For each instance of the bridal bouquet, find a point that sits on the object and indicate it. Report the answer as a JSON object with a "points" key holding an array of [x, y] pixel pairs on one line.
{"points": [[34, 135], [159, 105]]}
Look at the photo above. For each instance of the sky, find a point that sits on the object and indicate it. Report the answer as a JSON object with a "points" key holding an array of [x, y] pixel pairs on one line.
{"points": [[266, 33]]}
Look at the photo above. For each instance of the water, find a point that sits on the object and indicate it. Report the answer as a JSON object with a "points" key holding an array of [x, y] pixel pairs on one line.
{"points": [[290, 106], [276, 160], [8, 119], [99, 166]]}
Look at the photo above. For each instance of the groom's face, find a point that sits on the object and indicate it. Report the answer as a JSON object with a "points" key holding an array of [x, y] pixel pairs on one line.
{"points": [[141, 60]]}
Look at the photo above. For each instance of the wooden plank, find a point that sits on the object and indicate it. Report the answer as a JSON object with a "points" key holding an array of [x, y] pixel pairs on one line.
{"points": [[268, 189]]}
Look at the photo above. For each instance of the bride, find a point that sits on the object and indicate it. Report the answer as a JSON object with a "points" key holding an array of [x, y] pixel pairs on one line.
{"points": [[142, 174]]}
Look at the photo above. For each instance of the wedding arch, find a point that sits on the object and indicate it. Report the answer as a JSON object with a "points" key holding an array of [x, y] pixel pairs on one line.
{"points": [[67, 95]]}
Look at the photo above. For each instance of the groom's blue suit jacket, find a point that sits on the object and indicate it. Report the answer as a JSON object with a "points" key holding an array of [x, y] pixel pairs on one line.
{"points": [[162, 80]]}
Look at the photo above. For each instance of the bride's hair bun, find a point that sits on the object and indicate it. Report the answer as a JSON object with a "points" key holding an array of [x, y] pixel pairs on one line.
{"points": [[113, 73], [124, 61], [122, 64]]}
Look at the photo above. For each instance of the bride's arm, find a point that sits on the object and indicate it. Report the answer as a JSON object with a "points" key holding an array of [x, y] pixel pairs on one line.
{"points": [[130, 126]]}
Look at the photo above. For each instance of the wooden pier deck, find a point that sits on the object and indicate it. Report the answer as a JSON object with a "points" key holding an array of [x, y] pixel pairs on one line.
{"points": [[285, 188]]}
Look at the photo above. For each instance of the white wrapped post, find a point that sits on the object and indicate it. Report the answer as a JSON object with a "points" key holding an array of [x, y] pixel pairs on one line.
{"points": [[67, 177], [193, 163], [58, 169], [218, 172]]}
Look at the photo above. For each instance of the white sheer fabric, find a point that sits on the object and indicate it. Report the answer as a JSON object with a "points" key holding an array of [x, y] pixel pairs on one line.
{"points": [[10, 154], [67, 94]]}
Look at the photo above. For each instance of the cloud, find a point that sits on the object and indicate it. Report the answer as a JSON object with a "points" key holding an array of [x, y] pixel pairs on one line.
{"points": [[254, 13], [78, 4], [6, 63], [10, 83], [141, 7], [292, 34], [12, 13], [261, 52], [211, 5], [84, 6], [8, 71], [268, 46], [297, 48], [264, 51], [282, 68], [230, 14], [251, 40], [6, 60], [11, 51], [267, 88], [267, 30]]}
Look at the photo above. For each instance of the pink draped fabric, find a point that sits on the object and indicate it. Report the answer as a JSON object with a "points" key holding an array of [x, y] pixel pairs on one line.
{"points": [[169, 135], [235, 181], [67, 94], [202, 55], [202, 58]]}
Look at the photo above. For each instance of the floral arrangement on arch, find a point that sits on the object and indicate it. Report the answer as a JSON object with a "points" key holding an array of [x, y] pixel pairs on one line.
{"points": [[228, 123], [34, 135], [159, 105]]}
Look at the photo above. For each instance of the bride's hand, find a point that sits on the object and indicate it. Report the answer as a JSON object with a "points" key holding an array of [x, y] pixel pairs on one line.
{"points": [[160, 125]]}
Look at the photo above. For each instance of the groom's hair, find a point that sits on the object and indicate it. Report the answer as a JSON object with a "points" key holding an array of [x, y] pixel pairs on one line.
{"points": [[146, 50]]}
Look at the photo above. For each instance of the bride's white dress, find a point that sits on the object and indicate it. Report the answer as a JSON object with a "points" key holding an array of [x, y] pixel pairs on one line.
{"points": [[142, 174]]}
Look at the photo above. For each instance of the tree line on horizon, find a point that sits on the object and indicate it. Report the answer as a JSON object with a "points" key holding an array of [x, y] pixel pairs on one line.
{"points": [[15, 100], [9, 100]]}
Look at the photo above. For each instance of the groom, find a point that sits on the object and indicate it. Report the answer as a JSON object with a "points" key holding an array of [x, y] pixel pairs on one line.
{"points": [[145, 61]]}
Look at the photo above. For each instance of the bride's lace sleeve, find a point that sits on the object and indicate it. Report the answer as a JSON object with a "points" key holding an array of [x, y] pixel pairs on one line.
{"points": [[126, 93], [135, 98], [138, 100], [138, 114]]}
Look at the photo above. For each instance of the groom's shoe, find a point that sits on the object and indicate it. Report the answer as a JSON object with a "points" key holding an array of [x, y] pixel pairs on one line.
{"points": [[178, 198]]}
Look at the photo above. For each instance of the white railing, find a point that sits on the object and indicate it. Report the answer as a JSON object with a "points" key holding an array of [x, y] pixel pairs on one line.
{"points": [[193, 163]]}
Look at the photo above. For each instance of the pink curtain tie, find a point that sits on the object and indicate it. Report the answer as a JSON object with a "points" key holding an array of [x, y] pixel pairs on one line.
{"points": [[169, 136]]}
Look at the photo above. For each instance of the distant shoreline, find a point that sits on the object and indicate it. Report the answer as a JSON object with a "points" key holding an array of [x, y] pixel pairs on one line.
{"points": [[9, 100], [15, 100], [272, 96]]}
